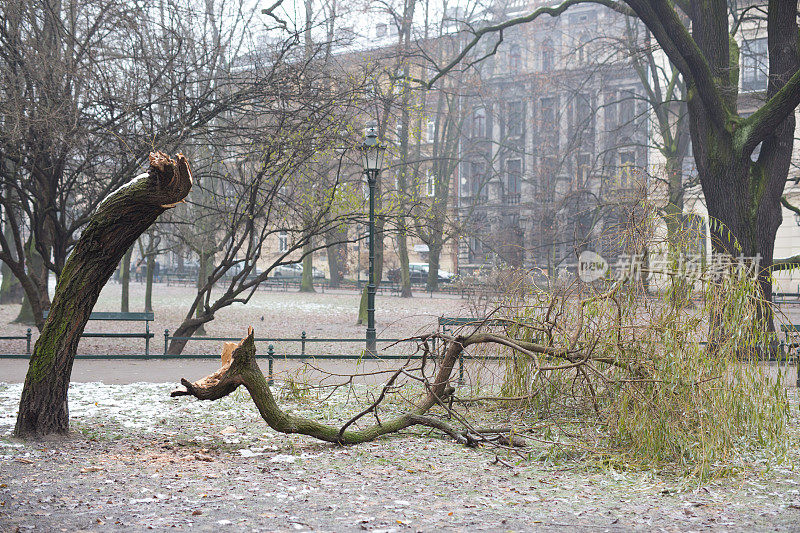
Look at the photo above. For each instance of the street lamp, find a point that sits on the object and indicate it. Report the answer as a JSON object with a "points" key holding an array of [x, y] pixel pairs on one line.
{"points": [[372, 158]]}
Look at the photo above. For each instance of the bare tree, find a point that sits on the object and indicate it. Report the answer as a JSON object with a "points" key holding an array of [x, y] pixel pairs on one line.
{"points": [[87, 89]]}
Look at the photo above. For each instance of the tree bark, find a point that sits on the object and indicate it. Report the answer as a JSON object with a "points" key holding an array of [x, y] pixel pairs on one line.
{"points": [[188, 327], [402, 252], [112, 230], [203, 269], [148, 290], [10, 290], [125, 281], [33, 308], [307, 281], [434, 257], [336, 256]]}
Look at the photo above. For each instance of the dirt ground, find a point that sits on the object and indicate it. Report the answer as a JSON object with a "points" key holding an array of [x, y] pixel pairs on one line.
{"points": [[139, 460]]}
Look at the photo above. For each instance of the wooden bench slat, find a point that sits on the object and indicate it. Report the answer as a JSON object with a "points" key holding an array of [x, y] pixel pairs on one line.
{"points": [[463, 321]]}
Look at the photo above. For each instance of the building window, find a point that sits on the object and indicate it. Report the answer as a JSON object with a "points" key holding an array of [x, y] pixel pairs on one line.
{"points": [[627, 164], [583, 48], [475, 187], [754, 64], [547, 55], [516, 119], [430, 183], [479, 122], [513, 178], [584, 167], [515, 58], [549, 122], [430, 133], [627, 108], [584, 117], [283, 241]]}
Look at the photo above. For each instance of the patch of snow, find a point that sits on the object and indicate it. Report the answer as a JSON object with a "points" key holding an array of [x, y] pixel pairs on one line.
{"points": [[121, 188], [245, 452], [283, 458]]}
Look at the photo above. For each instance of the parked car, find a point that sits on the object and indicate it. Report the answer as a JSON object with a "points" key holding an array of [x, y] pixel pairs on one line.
{"points": [[418, 272], [295, 270]]}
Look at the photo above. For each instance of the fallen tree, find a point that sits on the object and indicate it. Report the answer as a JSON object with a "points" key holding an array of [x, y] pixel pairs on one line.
{"points": [[604, 371], [242, 369], [112, 230]]}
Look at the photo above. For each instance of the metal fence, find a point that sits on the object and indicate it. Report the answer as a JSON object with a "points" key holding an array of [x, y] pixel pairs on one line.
{"points": [[27, 338], [276, 349]]}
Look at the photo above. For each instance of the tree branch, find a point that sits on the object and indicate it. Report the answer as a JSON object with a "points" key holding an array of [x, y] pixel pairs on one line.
{"points": [[551, 11], [676, 41], [763, 122]]}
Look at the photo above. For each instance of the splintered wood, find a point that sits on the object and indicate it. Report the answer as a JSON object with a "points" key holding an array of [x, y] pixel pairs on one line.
{"points": [[227, 352]]}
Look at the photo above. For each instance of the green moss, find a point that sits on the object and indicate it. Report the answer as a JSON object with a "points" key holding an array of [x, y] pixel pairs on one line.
{"points": [[733, 63]]}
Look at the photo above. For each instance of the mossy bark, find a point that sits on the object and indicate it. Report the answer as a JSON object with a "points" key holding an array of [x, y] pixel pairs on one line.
{"points": [[112, 230], [337, 256], [434, 257], [25, 315], [33, 308], [742, 161]]}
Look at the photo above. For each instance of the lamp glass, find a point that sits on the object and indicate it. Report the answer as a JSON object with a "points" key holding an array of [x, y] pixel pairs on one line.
{"points": [[372, 153]]}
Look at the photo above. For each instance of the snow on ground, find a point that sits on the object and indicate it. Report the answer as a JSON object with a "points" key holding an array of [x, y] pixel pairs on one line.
{"points": [[138, 460]]}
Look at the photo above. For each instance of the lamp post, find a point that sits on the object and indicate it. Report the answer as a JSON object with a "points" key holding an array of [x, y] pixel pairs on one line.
{"points": [[372, 159]]}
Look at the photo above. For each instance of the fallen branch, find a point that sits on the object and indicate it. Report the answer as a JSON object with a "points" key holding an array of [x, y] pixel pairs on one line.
{"points": [[242, 369]]}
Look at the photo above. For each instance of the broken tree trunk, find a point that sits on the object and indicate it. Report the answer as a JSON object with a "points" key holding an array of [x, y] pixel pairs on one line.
{"points": [[112, 230], [242, 369]]}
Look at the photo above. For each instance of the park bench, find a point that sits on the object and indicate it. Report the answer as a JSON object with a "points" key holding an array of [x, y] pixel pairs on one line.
{"points": [[448, 323], [784, 297], [146, 317]]}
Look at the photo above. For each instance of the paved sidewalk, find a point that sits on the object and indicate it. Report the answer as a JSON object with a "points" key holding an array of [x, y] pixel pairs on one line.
{"points": [[115, 371], [120, 372]]}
